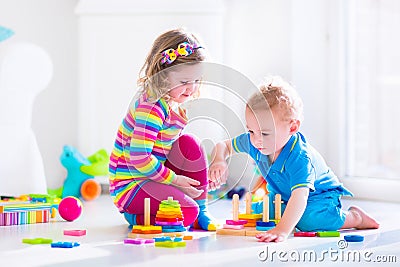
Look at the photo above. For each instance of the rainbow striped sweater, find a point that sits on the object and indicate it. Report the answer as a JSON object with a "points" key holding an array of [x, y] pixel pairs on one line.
{"points": [[143, 142]]}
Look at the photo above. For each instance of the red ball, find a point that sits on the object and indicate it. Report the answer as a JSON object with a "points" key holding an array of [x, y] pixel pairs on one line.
{"points": [[70, 208]]}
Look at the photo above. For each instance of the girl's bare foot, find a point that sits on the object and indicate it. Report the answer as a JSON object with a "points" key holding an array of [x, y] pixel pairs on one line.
{"points": [[365, 221]]}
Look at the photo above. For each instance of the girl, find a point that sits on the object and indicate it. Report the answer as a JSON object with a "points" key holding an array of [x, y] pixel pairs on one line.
{"points": [[151, 159], [310, 191]]}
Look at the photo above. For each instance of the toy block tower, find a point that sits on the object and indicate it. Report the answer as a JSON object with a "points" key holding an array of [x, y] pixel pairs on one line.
{"points": [[169, 216], [146, 230], [251, 218], [235, 226]]}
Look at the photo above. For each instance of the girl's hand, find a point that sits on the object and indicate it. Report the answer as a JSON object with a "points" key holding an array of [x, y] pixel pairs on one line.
{"points": [[273, 235], [186, 185], [217, 174]]}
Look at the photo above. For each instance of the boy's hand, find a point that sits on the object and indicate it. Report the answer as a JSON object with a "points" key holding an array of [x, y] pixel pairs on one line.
{"points": [[294, 210], [186, 185], [217, 174], [273, 235]]}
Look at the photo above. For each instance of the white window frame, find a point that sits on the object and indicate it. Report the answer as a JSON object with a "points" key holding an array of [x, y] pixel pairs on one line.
{"points": [[340, 121]]}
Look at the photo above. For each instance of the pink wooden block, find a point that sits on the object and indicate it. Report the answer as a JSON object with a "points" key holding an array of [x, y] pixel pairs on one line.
{"points": [[238, 222], [235, 227], [138, 241], [75, 232], [169, 223]]}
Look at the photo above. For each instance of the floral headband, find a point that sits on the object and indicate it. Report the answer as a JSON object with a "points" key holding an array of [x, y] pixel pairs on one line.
{"points": [[184, 49]]}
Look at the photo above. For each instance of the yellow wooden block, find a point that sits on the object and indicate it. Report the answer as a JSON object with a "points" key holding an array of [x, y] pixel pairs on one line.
{"points": [[171, 209], [169, 212], [250, 216], [241, 232], [170, 244], [146, 227]]}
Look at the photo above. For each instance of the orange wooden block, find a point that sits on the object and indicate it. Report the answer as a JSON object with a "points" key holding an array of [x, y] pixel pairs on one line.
{"points": [[188, 237], [39, 216]]}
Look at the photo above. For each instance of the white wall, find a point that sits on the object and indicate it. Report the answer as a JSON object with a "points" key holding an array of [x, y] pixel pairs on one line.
{"points": [[51, 25], [258, 38]]}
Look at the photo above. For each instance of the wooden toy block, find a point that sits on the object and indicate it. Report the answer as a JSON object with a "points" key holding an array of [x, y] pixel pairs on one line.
{"points": [[248, 203], [16, 213], [236, 227], [250, 216], [354, 238], [265, 214], [253, 232], [161, 219], [138, 241], [173, 234], [235, 207], [146, 231], [238, 222], [170, 202], [4, 207], [162, 238], [264, 228], [187, 237], [170, 244], [136, 235], [222, 231], [145, 228], [173, 230], [305, 234], [64, 244], [278, 202], [169, 216], [328, 234], [161, 223], [36, 241], [266, 224], [147, 211], [75, 232], [141, 229]]}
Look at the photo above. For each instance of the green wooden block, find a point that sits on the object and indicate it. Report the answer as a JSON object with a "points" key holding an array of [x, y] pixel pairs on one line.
{"points": [[328, 234]]}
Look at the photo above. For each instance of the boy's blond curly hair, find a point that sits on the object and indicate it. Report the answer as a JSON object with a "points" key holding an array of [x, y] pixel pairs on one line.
{"points": [[275, 92]]}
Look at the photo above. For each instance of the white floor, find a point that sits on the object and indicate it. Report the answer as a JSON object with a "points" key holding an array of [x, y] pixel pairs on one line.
{"points": [[106, 230]]}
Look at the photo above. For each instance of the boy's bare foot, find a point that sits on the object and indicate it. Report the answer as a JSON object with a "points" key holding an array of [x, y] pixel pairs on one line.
{"points": [[366, 221]]}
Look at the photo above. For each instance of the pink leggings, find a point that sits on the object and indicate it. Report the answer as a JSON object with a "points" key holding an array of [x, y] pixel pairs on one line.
{"points": [[185, 158]]}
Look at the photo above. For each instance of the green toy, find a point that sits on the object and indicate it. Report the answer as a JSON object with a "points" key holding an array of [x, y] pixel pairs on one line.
{"points": [[80, 173]]}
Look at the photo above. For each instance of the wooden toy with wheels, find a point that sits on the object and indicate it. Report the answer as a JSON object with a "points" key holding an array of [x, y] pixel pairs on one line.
{"points": [[81, 171]]}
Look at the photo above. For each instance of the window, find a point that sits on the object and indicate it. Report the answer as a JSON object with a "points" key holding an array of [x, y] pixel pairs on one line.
{"points": [[373, 88]]}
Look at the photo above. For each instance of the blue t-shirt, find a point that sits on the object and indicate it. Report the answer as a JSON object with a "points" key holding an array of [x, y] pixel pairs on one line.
{"points": [[298, 165]]}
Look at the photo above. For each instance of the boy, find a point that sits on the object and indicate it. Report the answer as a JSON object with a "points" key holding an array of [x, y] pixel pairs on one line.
{"points": [[310, 191]]}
